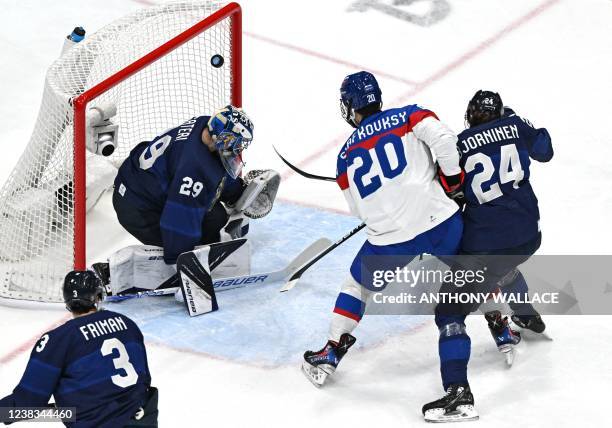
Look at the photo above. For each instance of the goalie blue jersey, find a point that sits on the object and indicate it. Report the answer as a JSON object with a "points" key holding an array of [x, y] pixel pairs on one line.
{"points": [[501, 210], [177, 176], [96, 363]]}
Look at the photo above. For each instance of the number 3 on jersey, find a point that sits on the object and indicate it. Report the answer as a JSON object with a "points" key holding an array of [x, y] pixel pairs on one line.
{"points": [[388, 154], [510, 170], [127, 375]]}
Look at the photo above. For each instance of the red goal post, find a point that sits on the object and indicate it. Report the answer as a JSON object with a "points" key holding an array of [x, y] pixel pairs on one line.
{"points": [[232, 11]]}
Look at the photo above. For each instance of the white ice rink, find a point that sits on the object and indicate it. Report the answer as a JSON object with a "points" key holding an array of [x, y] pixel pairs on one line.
{"points": [[551, 60]]}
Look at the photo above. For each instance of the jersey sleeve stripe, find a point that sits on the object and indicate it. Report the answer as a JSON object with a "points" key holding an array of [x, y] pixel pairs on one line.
{"points": [[39, 377], [418, 116], [342, 181]]}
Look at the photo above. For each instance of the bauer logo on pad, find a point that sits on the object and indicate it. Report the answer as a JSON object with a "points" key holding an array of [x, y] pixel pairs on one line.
{"points": [[196, 285]]}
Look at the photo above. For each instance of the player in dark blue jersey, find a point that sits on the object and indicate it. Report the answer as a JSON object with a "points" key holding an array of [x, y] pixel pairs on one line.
{"points": [[96, 363], [168, 192], [501, 231]]}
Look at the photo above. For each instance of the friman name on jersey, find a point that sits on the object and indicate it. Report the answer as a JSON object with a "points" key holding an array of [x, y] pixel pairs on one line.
{"points": [[102, 327]]}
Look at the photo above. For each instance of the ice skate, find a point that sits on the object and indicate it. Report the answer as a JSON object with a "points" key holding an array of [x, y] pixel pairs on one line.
{"points": [[456, 406], [320, 364], [505, 338], [531, 327]]}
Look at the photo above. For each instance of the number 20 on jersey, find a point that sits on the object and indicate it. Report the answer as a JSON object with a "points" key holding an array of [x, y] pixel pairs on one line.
{"points": [[388, 154]]}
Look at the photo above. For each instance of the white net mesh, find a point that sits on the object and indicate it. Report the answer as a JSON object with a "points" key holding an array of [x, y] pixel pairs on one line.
{"points": [[36, 210]]}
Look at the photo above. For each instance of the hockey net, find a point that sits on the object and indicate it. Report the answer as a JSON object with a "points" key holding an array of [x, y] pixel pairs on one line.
{"points": [[155, 66]]}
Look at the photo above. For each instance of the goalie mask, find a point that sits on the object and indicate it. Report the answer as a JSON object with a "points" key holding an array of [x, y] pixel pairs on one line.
{"points": [[232, 132]]}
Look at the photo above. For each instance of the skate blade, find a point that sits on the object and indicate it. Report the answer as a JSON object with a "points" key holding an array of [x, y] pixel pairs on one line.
{"points": [[532, 336], [315, 375], [510, 354], [461, 414]]}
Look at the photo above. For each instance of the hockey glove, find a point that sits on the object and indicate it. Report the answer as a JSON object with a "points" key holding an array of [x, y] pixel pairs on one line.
{"points": [[258, 196], [453, 186]]}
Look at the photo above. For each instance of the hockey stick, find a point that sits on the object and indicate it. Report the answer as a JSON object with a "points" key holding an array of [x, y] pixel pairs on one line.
{"points": [[298, 274], [222, 284], [303, 173]]}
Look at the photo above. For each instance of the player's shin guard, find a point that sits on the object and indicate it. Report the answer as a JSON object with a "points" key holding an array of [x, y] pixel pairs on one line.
{"points": [[454, 349]]}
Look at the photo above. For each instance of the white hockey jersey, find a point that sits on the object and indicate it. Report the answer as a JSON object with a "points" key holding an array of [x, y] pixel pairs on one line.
{"points": [[388, 175]]}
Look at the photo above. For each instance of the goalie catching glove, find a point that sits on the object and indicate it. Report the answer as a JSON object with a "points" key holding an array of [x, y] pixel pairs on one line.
{"points": [[257, 199]]}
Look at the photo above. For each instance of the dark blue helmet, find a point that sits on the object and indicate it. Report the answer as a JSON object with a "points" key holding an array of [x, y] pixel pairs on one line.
{"points": [[358, 91], [484, 106], [82, 291]]}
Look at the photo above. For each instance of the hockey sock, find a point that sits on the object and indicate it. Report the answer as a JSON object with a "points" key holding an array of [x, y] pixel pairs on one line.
{"points": [[454, 349], [348, 310], [519, 287]]}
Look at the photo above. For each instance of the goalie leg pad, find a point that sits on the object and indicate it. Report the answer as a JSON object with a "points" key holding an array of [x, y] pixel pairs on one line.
{"points": [[139, 267], [196, 284]]}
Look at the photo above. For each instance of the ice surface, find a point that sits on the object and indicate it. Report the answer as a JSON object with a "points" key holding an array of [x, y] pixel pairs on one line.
{"points": [[259, 325]]}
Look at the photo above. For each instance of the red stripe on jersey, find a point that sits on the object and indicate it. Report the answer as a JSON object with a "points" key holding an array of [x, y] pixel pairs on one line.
{"points": [[347, 314], [342, 181], [371, 142], [418, 116]]}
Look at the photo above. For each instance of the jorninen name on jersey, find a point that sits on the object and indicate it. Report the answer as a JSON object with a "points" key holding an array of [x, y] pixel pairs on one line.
{"points": [[493, 135]]}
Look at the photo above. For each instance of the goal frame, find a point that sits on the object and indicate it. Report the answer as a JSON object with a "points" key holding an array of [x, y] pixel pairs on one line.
{"points": [[232, 11]]}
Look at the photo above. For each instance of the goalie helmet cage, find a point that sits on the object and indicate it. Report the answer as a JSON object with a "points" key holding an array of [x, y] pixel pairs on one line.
{"points": [[156, 66]]}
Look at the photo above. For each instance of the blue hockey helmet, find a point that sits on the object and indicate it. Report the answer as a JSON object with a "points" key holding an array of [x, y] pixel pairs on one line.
{"points": [[232, 132], [358, 91], [484, 106]]}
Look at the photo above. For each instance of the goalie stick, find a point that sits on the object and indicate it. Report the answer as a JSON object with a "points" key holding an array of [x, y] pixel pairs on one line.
{"points": [[229, 283]]}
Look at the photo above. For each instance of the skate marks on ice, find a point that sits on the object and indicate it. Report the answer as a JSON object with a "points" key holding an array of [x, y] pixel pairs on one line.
{"points": [[260, 326]]}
